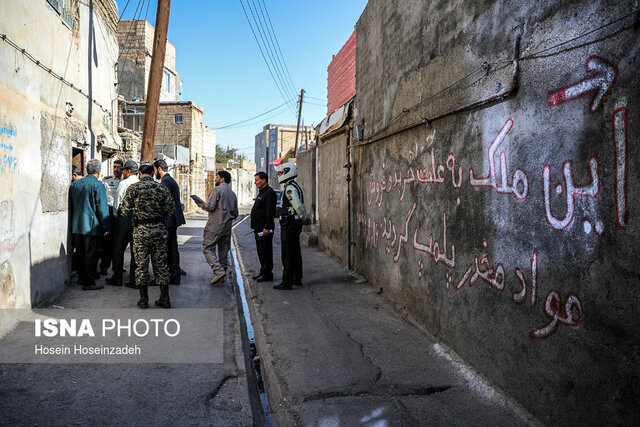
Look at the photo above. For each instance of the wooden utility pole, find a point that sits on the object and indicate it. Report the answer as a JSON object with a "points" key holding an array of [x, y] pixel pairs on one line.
{"points": [[155, 80], [295, 148]]}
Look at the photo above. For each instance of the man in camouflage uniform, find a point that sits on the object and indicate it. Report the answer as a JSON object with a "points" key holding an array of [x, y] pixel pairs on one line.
{"points": [[149, 203]]}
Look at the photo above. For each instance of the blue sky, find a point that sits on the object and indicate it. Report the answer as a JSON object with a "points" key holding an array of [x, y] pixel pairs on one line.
{"points": [[223, 71]]}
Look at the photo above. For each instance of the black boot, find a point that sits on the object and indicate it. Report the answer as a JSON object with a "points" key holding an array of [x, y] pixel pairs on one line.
{"points": [[164, 301], [144, 297]]}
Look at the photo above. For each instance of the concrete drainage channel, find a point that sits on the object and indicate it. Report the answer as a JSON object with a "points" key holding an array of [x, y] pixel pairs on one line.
{"points": [[259, 403]]}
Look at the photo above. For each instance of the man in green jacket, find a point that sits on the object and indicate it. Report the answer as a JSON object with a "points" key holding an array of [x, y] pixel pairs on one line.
{"points": [[89, 222]]}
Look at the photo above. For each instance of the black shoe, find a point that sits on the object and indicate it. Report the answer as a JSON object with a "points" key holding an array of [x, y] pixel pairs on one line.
{"points": [[164, 301], [103, 271], [144, 297], [92, 287], [132, 285], [175, 283], [113, 281], [264, 279], [257, 276], [283, 287], [182, 272]]}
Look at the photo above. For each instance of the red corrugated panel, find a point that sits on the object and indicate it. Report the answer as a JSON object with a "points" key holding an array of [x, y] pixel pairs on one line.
{"points": [[341, 81]]}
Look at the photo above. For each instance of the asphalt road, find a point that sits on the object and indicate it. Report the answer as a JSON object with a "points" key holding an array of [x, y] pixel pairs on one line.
{"points": [[136, 393]]}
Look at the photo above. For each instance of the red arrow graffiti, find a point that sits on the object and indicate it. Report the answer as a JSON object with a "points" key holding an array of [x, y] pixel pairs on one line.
{"points": [[603, 75]]}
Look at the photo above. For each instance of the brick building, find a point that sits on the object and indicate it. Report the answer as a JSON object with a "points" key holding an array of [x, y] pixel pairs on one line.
{"points": [[181, 138], [135, 40]]}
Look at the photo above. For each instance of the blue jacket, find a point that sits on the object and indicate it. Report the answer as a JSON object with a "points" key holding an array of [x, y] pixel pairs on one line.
{"points": [[177, 219], [88, 206]]}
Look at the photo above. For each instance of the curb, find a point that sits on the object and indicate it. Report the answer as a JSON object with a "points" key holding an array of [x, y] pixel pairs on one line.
{"points": [[272, 385]]}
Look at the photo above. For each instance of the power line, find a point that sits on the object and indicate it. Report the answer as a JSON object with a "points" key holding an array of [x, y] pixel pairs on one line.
{"points": [[289, 81], [267, 46], [278, 45], [123, 10], [254, 117], [263, 57]]}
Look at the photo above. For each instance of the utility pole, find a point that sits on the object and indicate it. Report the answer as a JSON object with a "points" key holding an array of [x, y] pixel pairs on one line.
{"points": [[155, 80], [295, 148]]}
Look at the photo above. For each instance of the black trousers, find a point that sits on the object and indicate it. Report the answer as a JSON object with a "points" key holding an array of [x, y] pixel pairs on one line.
{"points": [[173, 255], [291, 256], [87, 252], [123, 236], [264, 245], [106, 248]]}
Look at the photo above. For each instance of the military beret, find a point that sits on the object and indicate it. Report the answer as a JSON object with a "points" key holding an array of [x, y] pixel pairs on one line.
{"points": [[146, 163]]}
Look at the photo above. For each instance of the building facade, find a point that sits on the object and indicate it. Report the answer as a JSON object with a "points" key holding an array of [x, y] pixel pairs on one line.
{"points": [[275, 141], [135, 40], [58, 108]]}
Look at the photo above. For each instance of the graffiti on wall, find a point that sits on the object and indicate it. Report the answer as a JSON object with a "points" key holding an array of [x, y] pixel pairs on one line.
{"points": [[390, 188], [9, 162]]}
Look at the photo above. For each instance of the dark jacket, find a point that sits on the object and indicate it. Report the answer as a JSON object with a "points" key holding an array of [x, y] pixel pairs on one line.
{"points": [[88, 206], [177, 219], [264, 210]]}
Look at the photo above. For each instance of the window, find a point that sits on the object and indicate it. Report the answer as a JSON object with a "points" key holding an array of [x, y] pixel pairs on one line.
{"points": [[261, 162], [273, 135], [177, 119], [133, 117], [63, 7], [167, 81]]}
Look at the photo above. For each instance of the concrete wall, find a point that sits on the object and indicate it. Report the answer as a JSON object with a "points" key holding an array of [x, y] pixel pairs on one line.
{"points": [[509, 229], [37, 135], [332, 194], [306, 164]]}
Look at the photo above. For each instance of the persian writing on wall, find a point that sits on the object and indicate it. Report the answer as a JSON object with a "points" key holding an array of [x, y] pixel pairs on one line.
{"points": [[557, 192]]}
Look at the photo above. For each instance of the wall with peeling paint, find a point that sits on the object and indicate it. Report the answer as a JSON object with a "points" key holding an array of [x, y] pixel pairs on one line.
{"points": [[41, 120], [496, 201]]}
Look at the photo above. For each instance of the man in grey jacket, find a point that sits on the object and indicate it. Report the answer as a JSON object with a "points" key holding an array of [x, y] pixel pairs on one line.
{"points": [[222, 206]]}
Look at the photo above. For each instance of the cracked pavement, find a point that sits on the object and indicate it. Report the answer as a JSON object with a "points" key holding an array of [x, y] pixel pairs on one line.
{"points": [[334, 352]]}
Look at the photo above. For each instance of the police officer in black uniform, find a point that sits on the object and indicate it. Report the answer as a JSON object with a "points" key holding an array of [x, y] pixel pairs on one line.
{"points": [[292, 213], [262, 224]]}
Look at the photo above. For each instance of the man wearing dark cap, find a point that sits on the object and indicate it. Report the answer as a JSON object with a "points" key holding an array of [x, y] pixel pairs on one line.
{"points": [[123, 229], [149, 203], [173, 222]]}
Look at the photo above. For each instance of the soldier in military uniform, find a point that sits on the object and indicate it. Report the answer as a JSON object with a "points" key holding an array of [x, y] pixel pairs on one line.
{"points": [[149, 202]]}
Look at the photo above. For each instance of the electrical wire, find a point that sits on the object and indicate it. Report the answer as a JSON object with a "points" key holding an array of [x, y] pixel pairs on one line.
{"points": [[123, 10], [267, 47], [278, 46], [284, 98], [252, 118], [268, 26], [50, 71], [488, 66]]}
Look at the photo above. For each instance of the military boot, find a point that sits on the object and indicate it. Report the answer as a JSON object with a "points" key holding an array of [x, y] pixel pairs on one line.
{"points": [[144, 297], [164, 301]]}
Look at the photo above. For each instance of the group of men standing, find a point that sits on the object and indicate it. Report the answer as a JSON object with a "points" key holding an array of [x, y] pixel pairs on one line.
{"points": [[130, 208], [222, 207]]}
